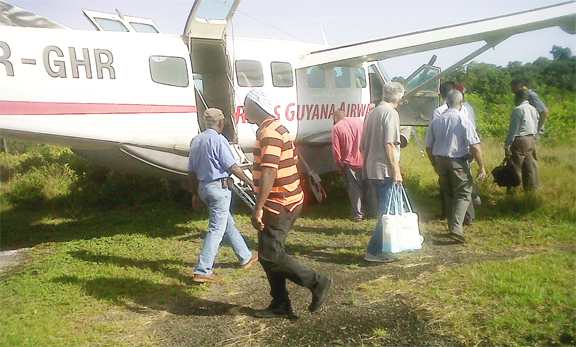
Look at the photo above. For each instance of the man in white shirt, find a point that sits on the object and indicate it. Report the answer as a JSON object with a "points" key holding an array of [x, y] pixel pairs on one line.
{"points": [[520, 143]]}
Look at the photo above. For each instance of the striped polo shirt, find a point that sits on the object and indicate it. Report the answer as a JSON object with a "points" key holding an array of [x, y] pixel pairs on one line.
{"points": [[274, 148]]}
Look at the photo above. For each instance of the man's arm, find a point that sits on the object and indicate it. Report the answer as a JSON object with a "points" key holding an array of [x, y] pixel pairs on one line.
{"points": [[512, 130], [336, 150], [542, 120], [476, 152], [267, 178], [431, 157], [394, 158], [236, 170], [193, 179]]}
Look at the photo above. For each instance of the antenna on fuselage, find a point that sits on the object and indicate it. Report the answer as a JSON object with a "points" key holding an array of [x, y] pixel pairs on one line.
{"points": [[120, 14], [324, 36]]}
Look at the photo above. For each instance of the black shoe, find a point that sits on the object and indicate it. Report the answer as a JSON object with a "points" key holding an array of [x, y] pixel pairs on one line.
{"points": [[320, 293], [457, 237], [276, 311]]}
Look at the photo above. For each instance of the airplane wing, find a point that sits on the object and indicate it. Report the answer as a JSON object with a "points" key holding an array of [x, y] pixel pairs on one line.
{"points": [[492, 31], [11, 15]]}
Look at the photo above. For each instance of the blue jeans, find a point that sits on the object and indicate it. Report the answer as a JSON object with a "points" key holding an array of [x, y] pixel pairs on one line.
{"points": [[383, 192], [221, 225]]}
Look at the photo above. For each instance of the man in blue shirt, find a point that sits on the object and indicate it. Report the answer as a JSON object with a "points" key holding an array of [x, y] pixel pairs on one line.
{"points": [[209, 165], [450, 140]]}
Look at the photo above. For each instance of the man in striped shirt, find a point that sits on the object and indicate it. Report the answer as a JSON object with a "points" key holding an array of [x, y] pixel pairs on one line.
{"points": [[278, 204]]}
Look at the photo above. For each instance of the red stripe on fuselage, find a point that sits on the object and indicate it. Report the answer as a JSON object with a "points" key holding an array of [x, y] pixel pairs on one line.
{"points": [[54, 108]]}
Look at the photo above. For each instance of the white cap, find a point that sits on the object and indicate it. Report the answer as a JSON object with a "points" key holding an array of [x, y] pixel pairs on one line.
{"points": [[258, 97]]}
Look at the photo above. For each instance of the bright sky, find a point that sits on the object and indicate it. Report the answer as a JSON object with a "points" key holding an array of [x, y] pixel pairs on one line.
{"points": [[344, 21]]}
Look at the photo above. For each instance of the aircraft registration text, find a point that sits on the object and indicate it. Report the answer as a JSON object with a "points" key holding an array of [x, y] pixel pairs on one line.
{"points": [[97, 60]]}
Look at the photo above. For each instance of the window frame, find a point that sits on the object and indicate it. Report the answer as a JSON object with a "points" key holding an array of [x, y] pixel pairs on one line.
{"points": [[363, 77], [238, 71], [273, 74], [345, 76], [164, 82], [308, 74]]}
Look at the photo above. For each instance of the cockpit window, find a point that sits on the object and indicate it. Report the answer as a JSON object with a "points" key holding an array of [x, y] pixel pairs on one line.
{"points": [[111, 25], [282, 74], [360, 77], [316, 77], [171, 71], [342, 77], [249, 73], [143, 28]]}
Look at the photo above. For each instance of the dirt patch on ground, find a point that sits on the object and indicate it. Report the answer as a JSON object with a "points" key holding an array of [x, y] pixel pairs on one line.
{"points": [[224, 316], [11, 260]]}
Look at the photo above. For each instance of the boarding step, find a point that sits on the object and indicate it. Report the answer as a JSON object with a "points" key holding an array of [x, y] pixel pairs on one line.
{"points": [[239, 187]]}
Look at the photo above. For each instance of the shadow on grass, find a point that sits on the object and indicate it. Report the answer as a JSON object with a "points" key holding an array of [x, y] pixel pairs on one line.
{"points": [[140, 296], [30, 228], [329, 231]]}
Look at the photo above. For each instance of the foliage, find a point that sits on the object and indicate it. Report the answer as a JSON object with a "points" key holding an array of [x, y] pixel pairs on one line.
{"points": [[48, 176], [488, 90]]}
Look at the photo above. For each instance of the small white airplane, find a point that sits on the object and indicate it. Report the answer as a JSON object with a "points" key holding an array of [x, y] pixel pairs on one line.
{"points": [[128, 97]]}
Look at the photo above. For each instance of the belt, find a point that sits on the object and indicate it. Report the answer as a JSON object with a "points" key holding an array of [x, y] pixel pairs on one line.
{"points": [[224, 181]]}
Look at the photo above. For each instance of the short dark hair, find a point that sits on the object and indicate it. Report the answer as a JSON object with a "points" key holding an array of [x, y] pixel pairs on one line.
{"points": [[519, 82], [446, 87], [521, 95]]}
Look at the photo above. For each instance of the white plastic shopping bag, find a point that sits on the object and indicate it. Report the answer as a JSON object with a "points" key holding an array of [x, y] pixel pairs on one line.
{"points": [[400, 231]]}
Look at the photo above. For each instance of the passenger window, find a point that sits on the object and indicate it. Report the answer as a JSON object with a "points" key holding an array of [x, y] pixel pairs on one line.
{"points": [[282, 74], [111, 25], [360, 77], [171, 71], [143, 28], [249, 73], [316, 77], [342, 77]]}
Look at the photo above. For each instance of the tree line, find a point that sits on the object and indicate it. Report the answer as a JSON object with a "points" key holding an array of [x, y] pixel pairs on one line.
{"points": [[488, 90]]}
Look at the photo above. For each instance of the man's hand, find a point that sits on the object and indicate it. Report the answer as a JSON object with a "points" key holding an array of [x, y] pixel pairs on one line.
{"points": [[508, 152], [197, 202], [398, 177], [257, 219], [481, 173]]}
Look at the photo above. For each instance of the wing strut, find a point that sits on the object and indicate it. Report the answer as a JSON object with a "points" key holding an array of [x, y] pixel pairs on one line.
{"points": [[487, 46]]}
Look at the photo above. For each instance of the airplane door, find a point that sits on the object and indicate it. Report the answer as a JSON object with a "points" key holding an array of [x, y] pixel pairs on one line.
{"points": [[417, 107], [205, 34]]}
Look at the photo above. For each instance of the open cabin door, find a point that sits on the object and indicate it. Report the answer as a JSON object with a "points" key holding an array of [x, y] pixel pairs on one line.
{"points": [[205, 34], [421, 98]]}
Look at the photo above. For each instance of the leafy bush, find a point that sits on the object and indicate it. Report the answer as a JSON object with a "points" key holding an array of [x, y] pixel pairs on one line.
{"points": [[54, 177]]}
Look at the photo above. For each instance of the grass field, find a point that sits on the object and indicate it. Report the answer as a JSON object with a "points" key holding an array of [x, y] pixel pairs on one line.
{"points": [[109, 254]]}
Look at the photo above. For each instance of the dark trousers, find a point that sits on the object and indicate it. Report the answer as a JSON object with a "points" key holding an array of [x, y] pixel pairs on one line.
{"points": [[278, 265], [361, 193], [456, 182]]}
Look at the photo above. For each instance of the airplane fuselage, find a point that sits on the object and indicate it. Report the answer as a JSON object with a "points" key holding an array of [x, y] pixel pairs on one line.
{"points": [[127, 99]]}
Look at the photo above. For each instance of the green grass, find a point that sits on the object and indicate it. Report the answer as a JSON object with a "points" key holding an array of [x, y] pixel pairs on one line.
{"points": [[104, 266], [527, 301]]}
